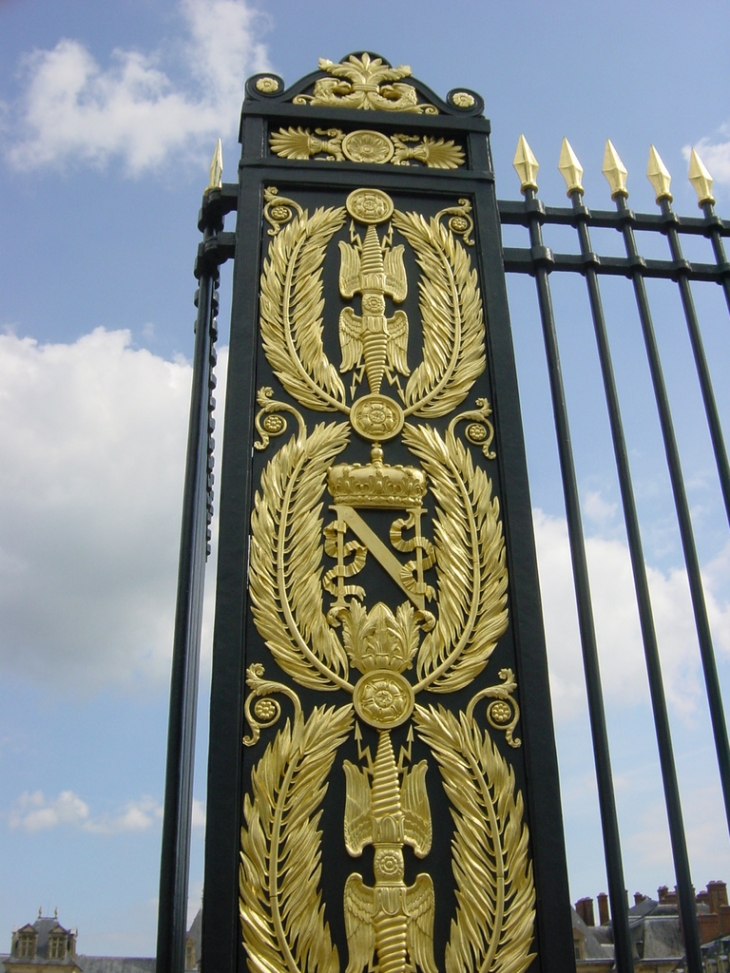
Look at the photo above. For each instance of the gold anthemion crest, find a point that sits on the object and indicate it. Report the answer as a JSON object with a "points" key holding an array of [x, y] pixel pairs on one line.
{"points": [[443, 555]]}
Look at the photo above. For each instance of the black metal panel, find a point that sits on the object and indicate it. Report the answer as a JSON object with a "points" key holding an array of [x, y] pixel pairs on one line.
{"points": [[237, 644]]}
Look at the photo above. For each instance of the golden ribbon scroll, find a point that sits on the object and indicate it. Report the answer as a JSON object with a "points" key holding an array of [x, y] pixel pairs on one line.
{"points": [[444, 551]]}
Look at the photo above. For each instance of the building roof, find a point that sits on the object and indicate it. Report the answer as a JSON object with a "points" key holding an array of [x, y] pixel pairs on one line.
{"points": [[116, 964], [592, 948]]}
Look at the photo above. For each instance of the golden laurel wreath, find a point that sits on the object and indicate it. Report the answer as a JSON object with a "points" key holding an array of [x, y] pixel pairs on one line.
{"points": [[283, 923]]}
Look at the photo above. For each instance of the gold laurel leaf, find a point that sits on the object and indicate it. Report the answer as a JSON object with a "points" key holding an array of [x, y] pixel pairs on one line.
{"points": [[470, 563], [280, 904], [291, 310], [285, 567], [495, 892], [451, 315]]}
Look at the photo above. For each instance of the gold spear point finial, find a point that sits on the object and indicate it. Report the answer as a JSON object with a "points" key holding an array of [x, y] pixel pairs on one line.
{"points": [[216, 169], [525, 165], [658, 175], [615, 171], [701, 180], [571, 169]]}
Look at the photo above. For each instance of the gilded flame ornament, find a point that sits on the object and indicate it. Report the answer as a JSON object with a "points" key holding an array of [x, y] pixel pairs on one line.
{"points": [[443, 554]]}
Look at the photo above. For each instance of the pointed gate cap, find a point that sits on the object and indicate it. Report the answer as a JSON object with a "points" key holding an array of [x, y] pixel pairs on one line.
{"points": [[615, 171], [571, 169], [526, 165], [216, 169], [658, 175], [700, 179]]}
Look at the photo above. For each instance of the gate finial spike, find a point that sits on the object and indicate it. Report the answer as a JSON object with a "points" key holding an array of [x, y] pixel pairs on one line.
{"points": [[615, 171], [526, 165], [571, 169], [216, 169], [701, 180], [658, 175]]}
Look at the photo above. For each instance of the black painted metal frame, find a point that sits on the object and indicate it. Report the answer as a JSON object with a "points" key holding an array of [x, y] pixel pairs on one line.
{"points": [[539, 261], [222, 951], [221, 947]]}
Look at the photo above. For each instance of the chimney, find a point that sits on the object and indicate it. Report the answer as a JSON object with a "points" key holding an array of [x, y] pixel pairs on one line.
{"points": [[603, 915], [584, 908], [638, 898], [717, 894]]}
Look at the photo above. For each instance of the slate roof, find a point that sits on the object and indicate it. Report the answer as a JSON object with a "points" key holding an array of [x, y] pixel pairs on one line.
{"points": [[593, 948], [116, 964]]}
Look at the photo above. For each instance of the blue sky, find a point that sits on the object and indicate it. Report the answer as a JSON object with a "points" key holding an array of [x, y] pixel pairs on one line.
{"points": [[108, 117]]}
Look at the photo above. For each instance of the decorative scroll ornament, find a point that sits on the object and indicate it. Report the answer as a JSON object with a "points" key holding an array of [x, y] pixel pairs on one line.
{"points": [[368, 83], [366, 145], [310, 604]]}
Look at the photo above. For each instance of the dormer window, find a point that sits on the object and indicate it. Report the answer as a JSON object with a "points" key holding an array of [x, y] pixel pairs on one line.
{"points": [[57, 947], [26, 945]]}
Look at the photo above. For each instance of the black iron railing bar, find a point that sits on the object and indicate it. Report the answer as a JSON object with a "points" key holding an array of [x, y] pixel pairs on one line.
{"points": [[698, 350], [646, 616], [197, 511], [606, 796], [515, 213], [707, 654], [520, 260], [714, 229]]}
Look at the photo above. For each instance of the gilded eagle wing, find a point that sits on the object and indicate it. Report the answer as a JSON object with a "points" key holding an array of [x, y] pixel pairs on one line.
{"points": [[349, 270], [350, 343], [416, 809], [358, 827], [398, 342], [359, 903], [420, 908]]}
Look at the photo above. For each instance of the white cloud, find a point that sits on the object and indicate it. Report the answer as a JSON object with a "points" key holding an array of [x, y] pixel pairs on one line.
{"points": [[134, 816], [623, 668], [198, 817], [138, 108], [33, 812], [92, 444], [715, 153], [597, 509]]}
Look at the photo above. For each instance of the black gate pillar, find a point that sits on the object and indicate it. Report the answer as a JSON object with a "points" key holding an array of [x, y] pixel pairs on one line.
{"points": [[382, 785]]}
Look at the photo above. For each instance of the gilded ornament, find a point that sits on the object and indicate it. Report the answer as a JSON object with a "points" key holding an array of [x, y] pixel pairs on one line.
{"points": [[495, 889], [383, 699], [281, 910], [371, 343], [462, 99], [376, 417], [367, 83], [432, 152], [312, 613], [376, 485], [362, 146], [366, 145], [453, 355], [299, 143], [267, 85]]}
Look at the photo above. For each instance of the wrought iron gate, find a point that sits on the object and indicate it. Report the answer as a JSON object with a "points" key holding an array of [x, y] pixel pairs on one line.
{"points": [[449, 140]]}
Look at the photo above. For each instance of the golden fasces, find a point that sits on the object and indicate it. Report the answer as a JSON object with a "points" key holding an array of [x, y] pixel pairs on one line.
{"points": [[432, 625]]}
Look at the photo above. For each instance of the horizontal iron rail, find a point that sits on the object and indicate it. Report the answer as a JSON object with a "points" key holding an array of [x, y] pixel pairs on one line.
{"points": [[525, 260], [519, 213]]}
